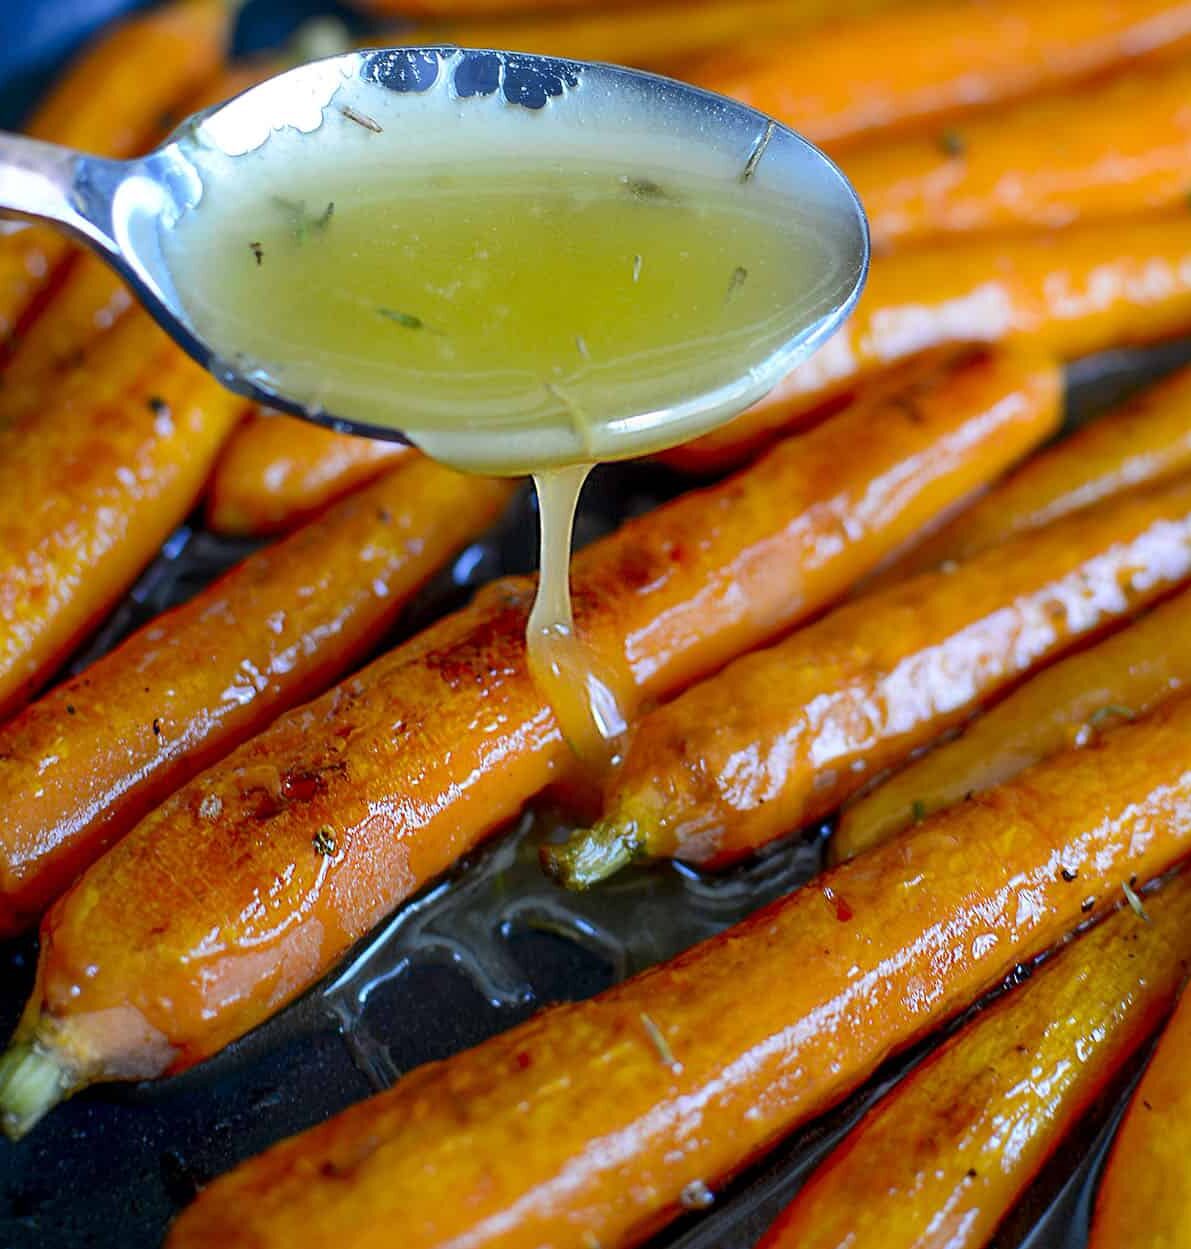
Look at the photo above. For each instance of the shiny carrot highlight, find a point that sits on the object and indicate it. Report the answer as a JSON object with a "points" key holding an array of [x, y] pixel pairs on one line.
{"points": [[1068, 704], [277, 471], [91, 485], [781, 736], [1071, 292], [925, 62], [1145, 1195], [110, 102], [1111, 150], [344, 807], [1145, 440], [82, 765], [683, 1075], [939, 1162]]}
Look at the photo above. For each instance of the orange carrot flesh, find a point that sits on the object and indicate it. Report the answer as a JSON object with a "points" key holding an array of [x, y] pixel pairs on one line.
{"points": [[688, 1072], [414, 760], [653, 36], [783, 735], [79, 767], [1071, 292], [111, 103], [1145, 1196], [1145, 440], [88, 298], [1113, 149], [277, 471], [91, 485], [1065, 705], [938, 1163], [929, 61]]}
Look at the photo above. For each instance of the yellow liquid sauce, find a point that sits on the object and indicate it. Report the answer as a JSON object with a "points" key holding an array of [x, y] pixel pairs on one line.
{"points": [[510, 314]]}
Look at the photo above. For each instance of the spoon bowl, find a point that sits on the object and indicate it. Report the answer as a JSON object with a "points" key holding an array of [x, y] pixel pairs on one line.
{"points": [[418, 108]]}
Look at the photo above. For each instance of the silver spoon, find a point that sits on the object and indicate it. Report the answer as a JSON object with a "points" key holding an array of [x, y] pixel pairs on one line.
{"points": [[121, 208]]}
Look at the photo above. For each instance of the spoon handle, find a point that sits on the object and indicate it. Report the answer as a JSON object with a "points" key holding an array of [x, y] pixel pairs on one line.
{"points": [[47, 182]]}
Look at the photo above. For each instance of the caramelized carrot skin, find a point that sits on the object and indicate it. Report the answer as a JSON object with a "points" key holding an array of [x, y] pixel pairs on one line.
{"points": [[79, 767], [91, 485], [924, 62], [1065, 705], [1070, 293], [277, 471], [575, 1126], [1145, 440], [413, 761], [1091, 153], [1145, 1195], [938, 1163], [110, 103], [783, 735]]}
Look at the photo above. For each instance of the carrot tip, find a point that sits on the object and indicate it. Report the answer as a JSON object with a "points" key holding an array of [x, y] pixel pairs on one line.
{"points": [[31, 1084], [591, 855]]}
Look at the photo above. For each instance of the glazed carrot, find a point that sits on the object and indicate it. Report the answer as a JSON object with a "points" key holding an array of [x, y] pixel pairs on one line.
{"points": [[650, 36], [590, 1123], [782, 736], [1145, 440], [277, 471], [88, 297], [1145, 1196], [111, 103], [1096, 152], [82, 765], [409, 764], [1072, 293], [938, 1163], [91, 485], [929, 61], [1066, 705]]}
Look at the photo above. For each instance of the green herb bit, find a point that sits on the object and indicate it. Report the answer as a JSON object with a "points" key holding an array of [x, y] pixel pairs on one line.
{"points": [[406, 320], [1134, 901], [918, 810], [739, 277], [645, 188], [638, 264], [952, 143], [301, 221], [258, 251], [1109, 712], [660, 1043]]}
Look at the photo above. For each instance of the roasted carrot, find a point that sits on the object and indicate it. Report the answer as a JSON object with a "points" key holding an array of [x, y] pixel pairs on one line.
{"points": [[929, 61], [1071, 292], [1066, 705], [410, 763], [277, 471], [1145, 1196], [88, 297], [589, 1123], [81, 766], [111, 103], [653, 36], [1104, 151], [783, 735], [91, 485], [1147, 439], [932, 1166]]}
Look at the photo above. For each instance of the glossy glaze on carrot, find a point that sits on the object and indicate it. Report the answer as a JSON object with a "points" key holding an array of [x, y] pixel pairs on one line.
{"points": [[110, 102], [1145, 1192], [1071, 292], [277, 471], [1145, 440], [940, 1160], [1110, 150], [79, 767], [410, 763], [1067, 704], [782, 736], [924, 62], [91, 484], [587, 1123]]}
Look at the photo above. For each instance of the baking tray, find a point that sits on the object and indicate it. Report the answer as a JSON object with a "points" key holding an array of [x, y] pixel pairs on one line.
{"points": [[469, 957]]}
